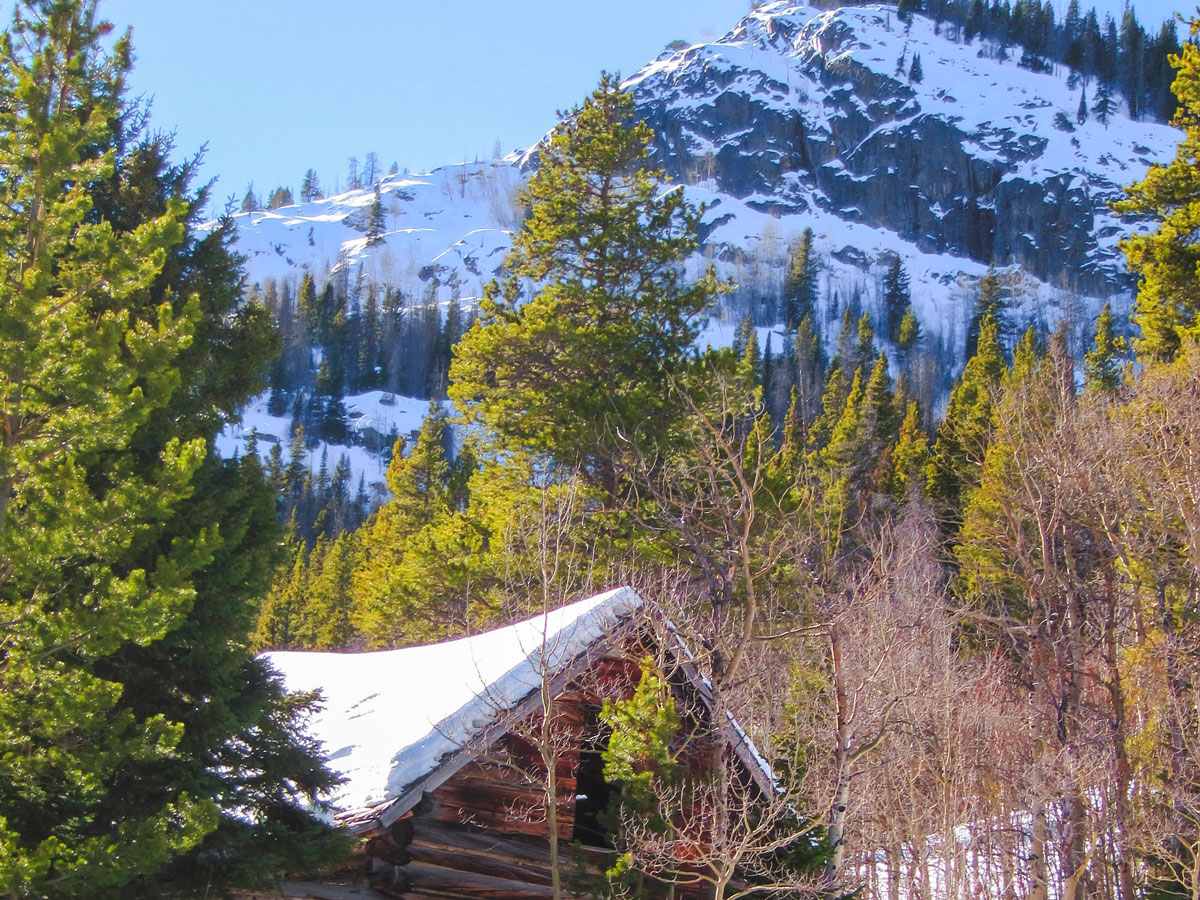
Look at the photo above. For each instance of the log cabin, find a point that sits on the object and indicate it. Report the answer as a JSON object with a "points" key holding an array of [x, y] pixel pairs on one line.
{"points": [[444, 751]]}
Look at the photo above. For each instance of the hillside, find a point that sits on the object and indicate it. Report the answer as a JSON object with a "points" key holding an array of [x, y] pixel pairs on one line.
{"points": [[800, 118]]}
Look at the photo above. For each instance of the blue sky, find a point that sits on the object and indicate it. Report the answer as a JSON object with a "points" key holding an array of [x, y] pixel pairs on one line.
{"points": [[274, 87]]}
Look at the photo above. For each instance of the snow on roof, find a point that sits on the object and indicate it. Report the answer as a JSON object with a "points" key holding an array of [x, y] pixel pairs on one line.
{"points": [[390, 718]]}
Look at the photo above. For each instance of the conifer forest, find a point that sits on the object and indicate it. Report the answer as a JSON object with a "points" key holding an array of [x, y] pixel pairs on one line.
{"points": [[929, 541]]}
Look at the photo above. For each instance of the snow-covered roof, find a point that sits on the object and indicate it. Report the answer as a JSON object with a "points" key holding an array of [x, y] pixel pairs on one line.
{"points": [[394, 721]]}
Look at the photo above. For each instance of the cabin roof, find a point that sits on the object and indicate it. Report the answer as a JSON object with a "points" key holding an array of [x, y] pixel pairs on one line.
{"points": [[397, 723]]}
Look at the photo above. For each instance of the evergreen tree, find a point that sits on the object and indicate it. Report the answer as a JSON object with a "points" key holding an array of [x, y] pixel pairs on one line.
{"points": [[963, 436], [909, 457], [989, 304], [310, 190], [910, 331], [1081, 114], [864, 347], [250, 199], [585, 365], [896, 297], [123, 681], [808, 365], [306, 305], [280, 616], [915, 73], [833, 404], [281, 196], [375, 223], [1102, 362], [1103, 104], [800, 288], [1167, 258]]}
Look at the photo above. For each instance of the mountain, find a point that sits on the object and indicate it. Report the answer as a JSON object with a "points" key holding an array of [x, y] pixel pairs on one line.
{"points": [[803, 118], [806, 118]]}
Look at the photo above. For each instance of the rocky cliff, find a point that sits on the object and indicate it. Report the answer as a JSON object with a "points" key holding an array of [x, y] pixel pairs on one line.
{"points": [[806, 118], [799, 111]]}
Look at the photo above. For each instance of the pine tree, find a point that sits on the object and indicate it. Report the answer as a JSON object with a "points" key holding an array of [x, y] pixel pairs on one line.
{"points": [[310, 190], [896, 297], [800, 289], [1103, 104], [123, 340], [375, 223], [909, 457], [279, 617], [989, 304], [250, 199], [833, 404], [1101, 364], [281, 196], [864, 347], [306, 306], [808, 365], [916, 74], [612, 324], [962, 439], [1081, 114], [1167, 258]]}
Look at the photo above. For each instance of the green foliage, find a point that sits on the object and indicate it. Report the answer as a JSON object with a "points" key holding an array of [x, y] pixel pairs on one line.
{"points": [[965, 432], [1167, 258], [897, 299], [375, 222], [640, 755], [909, 334], [80, 373], [910, 456], [132, 557], [640, 759], [800, 288], [583, 366], [916, 73], [1102, 363], [989, 303]]}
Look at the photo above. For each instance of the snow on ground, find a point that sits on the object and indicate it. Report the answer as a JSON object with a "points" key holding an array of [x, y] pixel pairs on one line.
{"points": [[390, 717], [383, 412]]}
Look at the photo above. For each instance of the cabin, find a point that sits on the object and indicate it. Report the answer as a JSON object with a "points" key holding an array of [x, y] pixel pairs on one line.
{"points": [[444, 753]]}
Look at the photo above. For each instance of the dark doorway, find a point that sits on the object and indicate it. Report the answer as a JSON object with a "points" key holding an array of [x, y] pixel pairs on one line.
{"points": [[592, 792]]}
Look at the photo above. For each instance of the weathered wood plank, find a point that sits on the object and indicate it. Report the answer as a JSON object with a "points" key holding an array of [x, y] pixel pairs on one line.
{"points": [[479, 887]]}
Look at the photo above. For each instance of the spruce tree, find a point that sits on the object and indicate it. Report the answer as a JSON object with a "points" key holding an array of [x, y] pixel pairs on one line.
{"points": [[310, 189], [1081, 114], [130, 553], [896, 297], [910, 331], [915, 73], [989, 304], [808, 364], [1103, 103], [800, 288], [250, 199], [376, 227], [864, 347], [1102, 363], [910, 456], [962, 438], [1167, 258], [585, 365]]}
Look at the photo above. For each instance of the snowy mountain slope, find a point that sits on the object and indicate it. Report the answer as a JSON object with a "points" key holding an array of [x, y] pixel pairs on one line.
{"points": [[796, 119], [798, 110]]}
